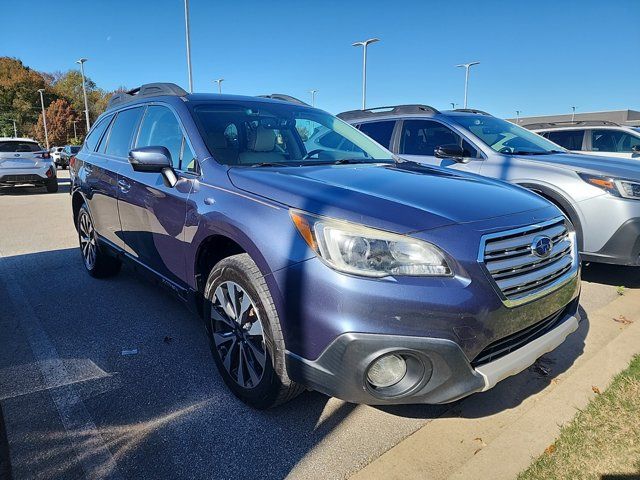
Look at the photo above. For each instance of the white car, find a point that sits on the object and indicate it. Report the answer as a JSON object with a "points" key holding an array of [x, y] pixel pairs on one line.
{"points": [[55, 154], [593, 137], [24, 162]]}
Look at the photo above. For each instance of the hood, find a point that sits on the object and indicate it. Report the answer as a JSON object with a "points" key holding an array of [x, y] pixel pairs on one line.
{"points": [[597, 165], [405, 197]]}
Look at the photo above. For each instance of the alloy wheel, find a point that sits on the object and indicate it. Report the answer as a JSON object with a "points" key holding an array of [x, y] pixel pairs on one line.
{"points": [[87, 240], [237, 334]]}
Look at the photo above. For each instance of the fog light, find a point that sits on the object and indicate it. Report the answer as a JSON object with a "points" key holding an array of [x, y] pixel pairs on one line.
{"points": [[387, 371]]}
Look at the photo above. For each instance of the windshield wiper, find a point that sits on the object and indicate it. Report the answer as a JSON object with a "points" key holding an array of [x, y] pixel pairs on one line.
{"points": [[345, 161], [524, 152], [269, 164]]}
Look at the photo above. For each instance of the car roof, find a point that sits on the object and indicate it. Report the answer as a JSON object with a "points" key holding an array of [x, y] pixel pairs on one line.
{"points": [[352, 117], [18, 139]]}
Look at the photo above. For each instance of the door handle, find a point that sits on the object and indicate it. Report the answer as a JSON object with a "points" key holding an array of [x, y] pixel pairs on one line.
{"points": [[124, 186]]}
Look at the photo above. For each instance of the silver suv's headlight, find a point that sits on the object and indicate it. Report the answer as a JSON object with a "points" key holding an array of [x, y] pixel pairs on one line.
{"points": [[360, 250], [615, 186]]}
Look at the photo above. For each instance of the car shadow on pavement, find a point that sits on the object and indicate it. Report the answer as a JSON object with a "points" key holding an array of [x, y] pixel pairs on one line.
{"points": [[615, 275], [64, 185]]}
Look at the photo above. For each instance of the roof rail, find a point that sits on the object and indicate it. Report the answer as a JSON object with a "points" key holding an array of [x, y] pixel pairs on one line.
{"points": [[284, 98], [570, 123], [472, 110], [146, 90], [392, 110]]}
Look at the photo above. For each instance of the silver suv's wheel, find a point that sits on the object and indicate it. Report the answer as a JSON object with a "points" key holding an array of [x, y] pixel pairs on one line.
{"points": [[98, 263]]}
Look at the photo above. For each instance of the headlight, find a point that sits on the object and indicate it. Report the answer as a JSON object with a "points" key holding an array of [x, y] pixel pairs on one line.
{"points": [[615, 186], [360, 250]]}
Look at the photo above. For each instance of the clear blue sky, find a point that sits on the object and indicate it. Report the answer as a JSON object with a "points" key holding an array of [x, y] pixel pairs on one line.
{"points": [[540, 57]]}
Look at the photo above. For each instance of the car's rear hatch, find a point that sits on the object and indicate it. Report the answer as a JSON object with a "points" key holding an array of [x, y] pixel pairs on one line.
{"points": [[20, 155]]}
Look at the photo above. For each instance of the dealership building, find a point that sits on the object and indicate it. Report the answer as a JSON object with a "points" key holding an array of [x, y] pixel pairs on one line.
{"points": [[630, 118]]}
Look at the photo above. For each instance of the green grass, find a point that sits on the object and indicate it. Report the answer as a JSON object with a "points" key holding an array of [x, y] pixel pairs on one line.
{"points": [[602, 439]]}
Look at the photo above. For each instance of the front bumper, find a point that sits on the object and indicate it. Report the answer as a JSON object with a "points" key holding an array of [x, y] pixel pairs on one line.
{"points": [[623, 248], [341, 369]]}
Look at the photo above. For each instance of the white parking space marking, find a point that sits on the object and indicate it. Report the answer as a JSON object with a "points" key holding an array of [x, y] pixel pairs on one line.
{"points": [[72, 411]]}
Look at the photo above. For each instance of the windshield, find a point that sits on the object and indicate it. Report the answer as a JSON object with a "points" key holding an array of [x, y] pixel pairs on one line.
{"points": [[266, 134], [505, 137]]}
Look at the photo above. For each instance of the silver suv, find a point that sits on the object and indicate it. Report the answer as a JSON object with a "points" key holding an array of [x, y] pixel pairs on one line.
{"points": [[600, 195], [594, 137], [24, 162]]}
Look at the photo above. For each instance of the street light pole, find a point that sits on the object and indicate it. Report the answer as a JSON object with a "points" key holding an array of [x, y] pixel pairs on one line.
{"points": [[84, 92], [75, 135], [219, 82], [44, 118], [518, 112], [467, 67], [453, 106], [573, 113], [15, 130], [313, 97], [188, 34], [364, 44]]}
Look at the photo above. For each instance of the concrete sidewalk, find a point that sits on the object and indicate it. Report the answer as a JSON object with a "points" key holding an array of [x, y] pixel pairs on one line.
{"points": [[464, 443]]}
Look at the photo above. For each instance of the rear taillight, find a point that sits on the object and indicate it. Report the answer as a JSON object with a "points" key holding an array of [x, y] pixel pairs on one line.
{"points": [[72, 161], [50, 172]]}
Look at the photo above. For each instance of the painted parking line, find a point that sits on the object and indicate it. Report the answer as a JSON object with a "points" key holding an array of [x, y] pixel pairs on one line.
{"points": [[98, 463]]}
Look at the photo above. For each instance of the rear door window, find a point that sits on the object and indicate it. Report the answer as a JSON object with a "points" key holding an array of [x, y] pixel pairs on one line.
{"points": [[122, 131], [381, 132], [569, 139], [92, 140]]}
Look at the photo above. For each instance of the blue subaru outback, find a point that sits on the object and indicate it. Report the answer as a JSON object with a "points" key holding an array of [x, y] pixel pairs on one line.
{"points": [[334, 266]]}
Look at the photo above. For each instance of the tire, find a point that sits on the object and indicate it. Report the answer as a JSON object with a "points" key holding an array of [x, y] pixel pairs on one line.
{"points": [[52, 185], [237, 345], [98, 263]]}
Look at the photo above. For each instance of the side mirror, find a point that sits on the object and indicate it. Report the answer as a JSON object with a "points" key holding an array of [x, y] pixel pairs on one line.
{"points": [[154, 160], [636, 149], [454, 152]]}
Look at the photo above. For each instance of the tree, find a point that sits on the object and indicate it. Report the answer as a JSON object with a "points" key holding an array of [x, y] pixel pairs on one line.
{"points": [[19, 98], [60, 118]]}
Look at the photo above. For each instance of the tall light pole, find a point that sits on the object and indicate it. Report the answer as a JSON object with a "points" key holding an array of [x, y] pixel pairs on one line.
{"points": [[75, 134], [313, 96], [573, 113], [453, 105], [15, 130], [219, 82], [84, 91], [188, 34], [518, 112], [467, 66], [44, 118], [364, 44]]}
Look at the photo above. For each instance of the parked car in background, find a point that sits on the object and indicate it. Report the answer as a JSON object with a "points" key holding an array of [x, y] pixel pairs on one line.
{"points": [[66, 154], [593, 137], [346, 271], [55, 154], [24, 162], [601, 196]]}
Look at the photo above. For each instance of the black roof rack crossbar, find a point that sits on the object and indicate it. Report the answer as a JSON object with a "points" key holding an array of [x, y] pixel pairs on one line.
{"points": [[391, 110], [146, 90], [472, 110], [284, 98], [570, 123]]}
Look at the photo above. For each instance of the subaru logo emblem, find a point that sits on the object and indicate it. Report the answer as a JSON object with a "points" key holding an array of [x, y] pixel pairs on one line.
{"points": [[541, 246]]}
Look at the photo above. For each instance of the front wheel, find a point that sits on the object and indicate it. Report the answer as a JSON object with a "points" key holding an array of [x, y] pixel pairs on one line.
{"points": [[98, 263], [245, 335]]}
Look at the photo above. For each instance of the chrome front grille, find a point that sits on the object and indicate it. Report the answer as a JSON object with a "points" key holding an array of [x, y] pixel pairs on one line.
{"points": [[519, 273]]}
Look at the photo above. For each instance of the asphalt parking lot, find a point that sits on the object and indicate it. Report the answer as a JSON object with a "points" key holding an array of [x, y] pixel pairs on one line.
{"points": [[114, 378]]}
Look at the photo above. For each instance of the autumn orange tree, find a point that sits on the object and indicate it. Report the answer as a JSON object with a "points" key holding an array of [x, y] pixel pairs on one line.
{"points": [[60, 118]]}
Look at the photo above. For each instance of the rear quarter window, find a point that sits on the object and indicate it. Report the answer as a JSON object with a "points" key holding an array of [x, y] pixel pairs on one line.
{"points": [[92, 140]]}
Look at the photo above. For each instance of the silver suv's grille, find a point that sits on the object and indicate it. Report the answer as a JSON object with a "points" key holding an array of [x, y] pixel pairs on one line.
{"points": [[519, 272]]}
